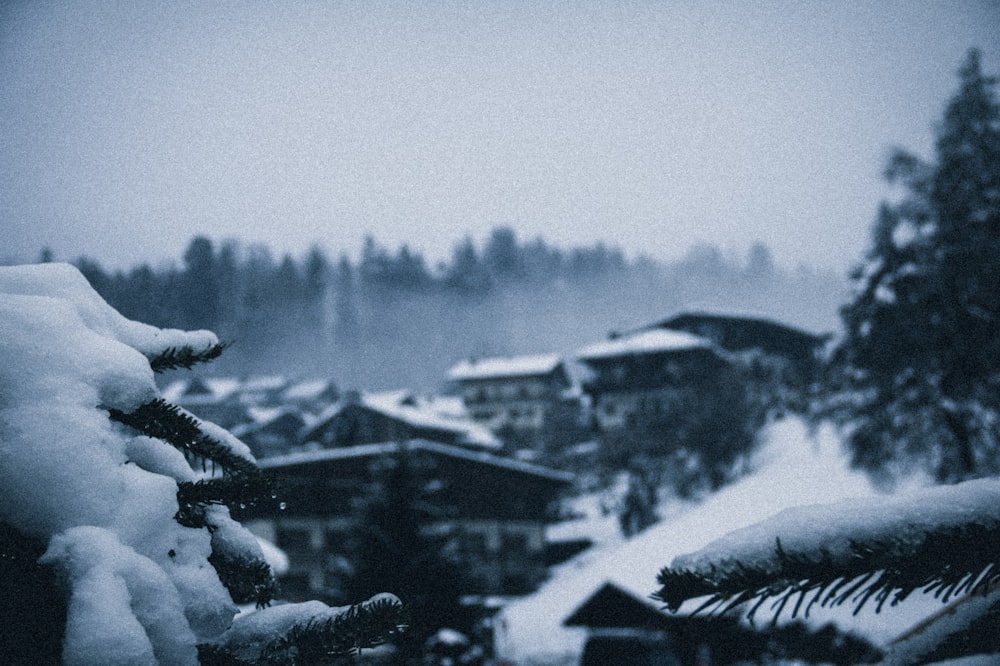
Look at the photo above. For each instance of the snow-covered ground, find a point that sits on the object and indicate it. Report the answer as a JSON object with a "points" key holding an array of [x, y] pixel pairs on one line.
{"points": [[794, 467]]}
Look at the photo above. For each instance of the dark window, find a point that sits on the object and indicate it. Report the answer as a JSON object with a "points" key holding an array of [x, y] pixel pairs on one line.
{"points": [[291, 538]]}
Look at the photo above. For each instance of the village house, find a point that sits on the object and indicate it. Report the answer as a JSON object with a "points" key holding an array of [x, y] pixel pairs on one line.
{"points": [[780, 363], [271, 431], [310, 396], [214, 399], [230, 401], [393, 416], [625, 628], [494, 510], [637, 376], [738, 334], [531, 402]]}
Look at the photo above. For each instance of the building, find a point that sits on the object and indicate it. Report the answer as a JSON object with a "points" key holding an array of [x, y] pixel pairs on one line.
{"points": [[230, 402], [531, 402], [624, 628], [271, 431], [735, 333], [637, 377], [494, 510], [369, 418], [214, 399], [310, 395], [780, 363]]}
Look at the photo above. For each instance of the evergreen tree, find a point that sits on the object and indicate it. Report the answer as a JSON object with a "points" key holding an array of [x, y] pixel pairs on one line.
{"points": [[396, 549], [201, 300], [467, 273], [917, 374], [502, 255], [347, 327]]}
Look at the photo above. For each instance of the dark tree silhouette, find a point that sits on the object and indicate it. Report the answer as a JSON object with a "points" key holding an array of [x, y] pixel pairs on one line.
{"points": [[917, 374]]}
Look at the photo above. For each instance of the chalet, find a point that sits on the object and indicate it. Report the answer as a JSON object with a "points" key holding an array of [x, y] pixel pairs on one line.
{"points": [[367, 418], [262, 391], [624, 628], [213, 399], [529, 401], [636, 376], [310, 395], [494, 509], [738, 334], [271, 431], [781, 363]]}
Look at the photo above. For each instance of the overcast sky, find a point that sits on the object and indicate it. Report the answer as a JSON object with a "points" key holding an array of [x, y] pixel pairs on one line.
{"points": [[129, 127]]}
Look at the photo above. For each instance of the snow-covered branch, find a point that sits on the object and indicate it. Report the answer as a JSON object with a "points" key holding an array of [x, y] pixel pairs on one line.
{"points": [[103, 521], [943, 540]]}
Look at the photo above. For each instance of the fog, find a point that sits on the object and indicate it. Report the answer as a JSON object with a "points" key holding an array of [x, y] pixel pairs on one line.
{"points": [[408, 338]]}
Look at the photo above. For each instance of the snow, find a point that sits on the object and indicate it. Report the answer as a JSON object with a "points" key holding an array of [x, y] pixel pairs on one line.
{"points": [[832, 526], [391, 448], [949, 621], [308, 389], [794, 467], [504, 367], [275, 557], [123, 608], [252, 631], [66, 283], [418, 412], [141, 590], [216, 390], [644, 342]]}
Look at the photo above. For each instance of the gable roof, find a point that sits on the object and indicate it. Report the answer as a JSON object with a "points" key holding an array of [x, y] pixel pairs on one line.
{"points": [[651, 341], [200, 390], [362, 451], [505, 367], [412, 411], [738, 332], [310, 389]]}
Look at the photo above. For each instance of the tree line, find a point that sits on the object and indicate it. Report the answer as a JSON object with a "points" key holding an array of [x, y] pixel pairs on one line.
{"points": [[389, 319]]}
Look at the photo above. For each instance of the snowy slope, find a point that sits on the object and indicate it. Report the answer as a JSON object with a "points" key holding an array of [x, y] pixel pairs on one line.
{"points": [[794, 468]]}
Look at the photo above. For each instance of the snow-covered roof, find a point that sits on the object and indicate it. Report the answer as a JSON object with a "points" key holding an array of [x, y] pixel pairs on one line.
{"points": [[390, 448], [504, 367], [643, 342], [794, 469], [308, 389], [200, 390], [417, 412], [264, 383]]}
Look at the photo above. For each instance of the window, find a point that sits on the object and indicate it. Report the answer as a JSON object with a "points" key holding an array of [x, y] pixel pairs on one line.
{"points": [[514, 543], [294, 538]]}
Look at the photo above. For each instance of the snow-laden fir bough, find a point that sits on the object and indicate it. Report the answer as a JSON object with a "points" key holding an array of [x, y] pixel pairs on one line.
{"points": [[115, 513]]}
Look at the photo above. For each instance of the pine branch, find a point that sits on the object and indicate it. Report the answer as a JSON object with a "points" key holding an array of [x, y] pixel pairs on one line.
{"points": [[334, 639], [359, 627], [246, 578], [186, 357], [162, 420], [951, 561], [210, 654], [238, 493]]}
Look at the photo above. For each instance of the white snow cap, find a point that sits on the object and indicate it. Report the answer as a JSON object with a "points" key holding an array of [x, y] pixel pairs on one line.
{"points": [[653, 341], [103, 497], [504, 367]]}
